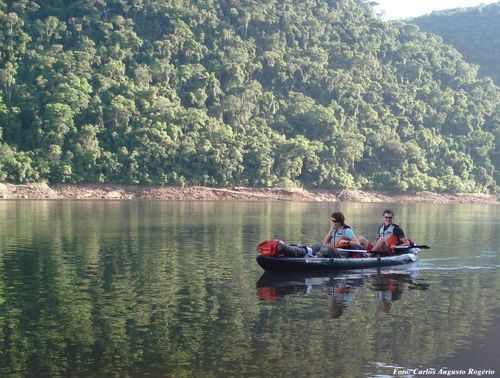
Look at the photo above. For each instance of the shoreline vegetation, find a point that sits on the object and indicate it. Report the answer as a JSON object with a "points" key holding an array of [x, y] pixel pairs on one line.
{"points": [[218, 93], [118, 192]]}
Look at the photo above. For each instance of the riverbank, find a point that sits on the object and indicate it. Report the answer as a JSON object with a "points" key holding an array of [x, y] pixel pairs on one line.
{"points": [[103, 191]]}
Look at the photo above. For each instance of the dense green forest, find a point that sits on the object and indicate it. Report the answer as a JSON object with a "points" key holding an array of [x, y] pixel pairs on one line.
{"points": [[317, 93], [475, 32]]}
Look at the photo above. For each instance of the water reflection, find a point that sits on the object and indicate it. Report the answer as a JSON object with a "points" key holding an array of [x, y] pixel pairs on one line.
{"points": [[138, 288], [391, 286], [340, 288]]}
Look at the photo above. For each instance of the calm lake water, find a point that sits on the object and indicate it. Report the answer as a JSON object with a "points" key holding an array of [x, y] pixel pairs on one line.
{"points": [[172, 289]]}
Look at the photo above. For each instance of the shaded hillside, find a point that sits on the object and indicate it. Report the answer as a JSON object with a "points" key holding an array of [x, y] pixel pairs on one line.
{"points": [[475, 32], [239, 92]]}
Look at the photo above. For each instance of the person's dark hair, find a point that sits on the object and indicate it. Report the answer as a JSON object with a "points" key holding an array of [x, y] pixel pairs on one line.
{"points": [[388, 211], [339, 217]]}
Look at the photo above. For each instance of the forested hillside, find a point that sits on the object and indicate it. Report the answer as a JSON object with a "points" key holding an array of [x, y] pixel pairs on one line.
{"points": [[318, 93], [475, 32]]}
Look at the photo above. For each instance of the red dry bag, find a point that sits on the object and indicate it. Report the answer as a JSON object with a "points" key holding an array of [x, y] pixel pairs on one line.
{"points": [[269, 248]]}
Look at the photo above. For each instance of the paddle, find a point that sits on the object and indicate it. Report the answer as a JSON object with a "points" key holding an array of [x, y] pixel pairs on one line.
{"points": [[421, 246], [400, 247]]}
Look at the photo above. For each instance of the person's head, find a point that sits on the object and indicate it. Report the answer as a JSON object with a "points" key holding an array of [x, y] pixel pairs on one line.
{"points": [[338, 219], [388, 216]]}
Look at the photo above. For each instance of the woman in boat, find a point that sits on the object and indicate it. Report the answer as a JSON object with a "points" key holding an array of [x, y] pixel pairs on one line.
{"points": [[340, 235]]}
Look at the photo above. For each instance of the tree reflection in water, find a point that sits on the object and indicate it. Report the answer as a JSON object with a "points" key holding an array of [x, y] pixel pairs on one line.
{"points": [[340, 288]]}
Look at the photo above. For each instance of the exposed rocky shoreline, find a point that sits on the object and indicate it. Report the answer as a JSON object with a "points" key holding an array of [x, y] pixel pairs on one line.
{"points": [[104, 191]]}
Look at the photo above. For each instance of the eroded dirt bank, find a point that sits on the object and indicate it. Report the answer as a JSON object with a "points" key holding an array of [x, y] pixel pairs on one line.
{"points": [[87, 191]]}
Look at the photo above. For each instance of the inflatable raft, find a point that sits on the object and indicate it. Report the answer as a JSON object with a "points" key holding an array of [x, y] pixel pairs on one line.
{"points": [[273, 262], [281, 264]]}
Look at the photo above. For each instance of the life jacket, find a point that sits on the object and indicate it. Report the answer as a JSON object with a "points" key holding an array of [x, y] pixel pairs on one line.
{"points": [[339, 240], [388, 234], [388, 231]]}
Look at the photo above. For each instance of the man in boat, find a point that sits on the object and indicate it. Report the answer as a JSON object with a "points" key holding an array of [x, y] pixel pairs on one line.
{"points": [[340, 235], [390, 235]]}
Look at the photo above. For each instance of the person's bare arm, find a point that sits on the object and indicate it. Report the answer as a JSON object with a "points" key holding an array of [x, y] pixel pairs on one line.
{"points": [[328, 236]]}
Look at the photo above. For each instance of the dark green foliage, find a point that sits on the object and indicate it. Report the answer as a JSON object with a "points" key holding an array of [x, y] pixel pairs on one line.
{"points": [[217, 92], [475, 32]]}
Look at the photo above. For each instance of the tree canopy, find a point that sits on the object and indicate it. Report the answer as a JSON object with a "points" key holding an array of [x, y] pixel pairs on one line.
{"points": [[474, 31], [317, 93]]}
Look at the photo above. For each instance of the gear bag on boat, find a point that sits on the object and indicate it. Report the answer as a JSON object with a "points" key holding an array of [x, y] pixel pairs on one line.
{"points": [[278, 248]]}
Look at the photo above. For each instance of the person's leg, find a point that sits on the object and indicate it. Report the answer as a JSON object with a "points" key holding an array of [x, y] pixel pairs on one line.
{"points": [[363, 242], [380, 246]]}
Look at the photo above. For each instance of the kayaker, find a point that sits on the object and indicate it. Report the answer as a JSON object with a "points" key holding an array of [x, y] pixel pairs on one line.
{"points": [[390, 235], [340, 235]]}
